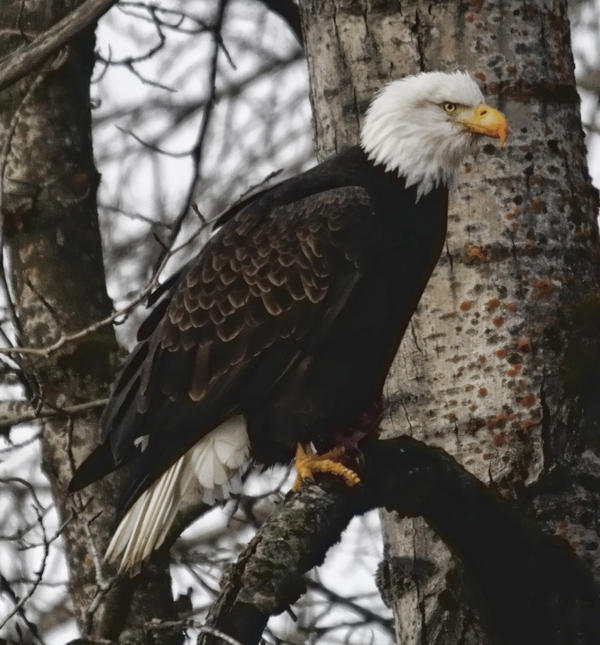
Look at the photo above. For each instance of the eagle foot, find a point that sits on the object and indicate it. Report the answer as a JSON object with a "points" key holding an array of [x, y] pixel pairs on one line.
{"points": [[308, 462]]}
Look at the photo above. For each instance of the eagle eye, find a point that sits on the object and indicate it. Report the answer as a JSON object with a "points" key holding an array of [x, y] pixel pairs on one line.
{"points": [[449, 107]]}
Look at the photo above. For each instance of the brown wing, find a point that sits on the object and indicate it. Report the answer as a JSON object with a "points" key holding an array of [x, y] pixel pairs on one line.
{"points": [[264, 285]]}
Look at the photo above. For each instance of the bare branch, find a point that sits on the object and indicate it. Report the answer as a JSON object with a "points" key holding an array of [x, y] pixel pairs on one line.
{"points": [[39, 574], [47, 350], [13, 413], [187, 107], [196, 152], [23, 61], [366, 614]]}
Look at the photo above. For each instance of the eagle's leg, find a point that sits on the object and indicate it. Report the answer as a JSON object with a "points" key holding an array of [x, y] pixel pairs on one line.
{"points": [[309, 462]]}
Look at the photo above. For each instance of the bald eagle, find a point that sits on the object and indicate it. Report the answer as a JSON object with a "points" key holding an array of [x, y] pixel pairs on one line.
{"points": [[280, 333]]}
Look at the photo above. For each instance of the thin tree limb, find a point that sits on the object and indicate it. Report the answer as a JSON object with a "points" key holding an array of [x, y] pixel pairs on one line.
{"points": [[13, 412], [21, 602], [196, 151], [63, 339], [23, 61], [366, 614]]}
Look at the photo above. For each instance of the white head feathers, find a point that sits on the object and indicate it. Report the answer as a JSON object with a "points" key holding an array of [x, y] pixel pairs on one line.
{"points": [[408, 131]]}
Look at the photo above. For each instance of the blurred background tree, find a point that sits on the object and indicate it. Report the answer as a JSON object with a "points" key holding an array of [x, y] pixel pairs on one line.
{"points": [[192, 104]]}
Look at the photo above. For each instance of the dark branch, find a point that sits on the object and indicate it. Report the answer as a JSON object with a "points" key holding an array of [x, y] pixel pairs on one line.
{"points": [[531, 586], [196, 151], [14, 413], [289, 12]]}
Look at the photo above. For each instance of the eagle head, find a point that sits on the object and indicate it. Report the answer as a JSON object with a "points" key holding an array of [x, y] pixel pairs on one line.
{"points": [[422, 126]]}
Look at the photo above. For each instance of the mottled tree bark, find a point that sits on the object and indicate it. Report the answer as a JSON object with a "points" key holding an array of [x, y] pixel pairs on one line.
{"points": [[49, 217], [501, 363], [518, 589]]}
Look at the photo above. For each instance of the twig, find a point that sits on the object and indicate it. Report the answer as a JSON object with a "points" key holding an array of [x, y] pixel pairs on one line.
{"points": [[366, 614], [135, 216], [155, 148], [155, 11], [196, 152], [5, 588], [48, 350], [17, 446], [8, 421], [39, 574], [129, 61], [184, 109]]}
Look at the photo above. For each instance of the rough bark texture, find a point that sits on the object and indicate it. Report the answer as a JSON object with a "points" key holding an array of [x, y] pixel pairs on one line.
{"points": [[50, 225], [501, 363], [518, 590]]}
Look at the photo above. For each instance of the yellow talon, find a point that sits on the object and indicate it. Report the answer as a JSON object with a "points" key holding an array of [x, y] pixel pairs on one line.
{"points": [[309, 462]]}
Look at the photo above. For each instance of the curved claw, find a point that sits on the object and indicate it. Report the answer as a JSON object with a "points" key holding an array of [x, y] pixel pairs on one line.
{"points": [[309, 462]]}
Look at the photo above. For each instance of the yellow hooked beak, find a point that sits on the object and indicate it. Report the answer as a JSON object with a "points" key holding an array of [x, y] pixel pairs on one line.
{"points": [[484, 120]]}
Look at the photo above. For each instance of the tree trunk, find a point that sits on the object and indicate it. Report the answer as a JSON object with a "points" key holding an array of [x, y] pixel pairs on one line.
{"points": [[501, 364], [51, 230]]}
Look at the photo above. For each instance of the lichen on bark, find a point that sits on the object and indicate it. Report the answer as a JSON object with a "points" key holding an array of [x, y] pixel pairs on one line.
{"points": [[487, 367]]}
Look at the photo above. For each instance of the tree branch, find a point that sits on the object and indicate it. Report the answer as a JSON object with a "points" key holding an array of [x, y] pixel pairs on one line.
{"points": [[196, 151], [125, 311], [288, 11], [13, 412], [24, 60], [531, 586]]}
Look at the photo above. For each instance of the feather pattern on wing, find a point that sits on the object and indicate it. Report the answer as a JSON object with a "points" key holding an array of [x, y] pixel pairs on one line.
{"points": [[257, 326], [273, 275]]}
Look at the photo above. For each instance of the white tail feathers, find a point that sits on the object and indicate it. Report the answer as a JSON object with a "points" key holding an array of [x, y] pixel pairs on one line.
{"points": [[215, 463]]}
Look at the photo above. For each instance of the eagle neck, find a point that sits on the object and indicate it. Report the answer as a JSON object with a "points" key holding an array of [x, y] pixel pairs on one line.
{"points": [[387, 188]]}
